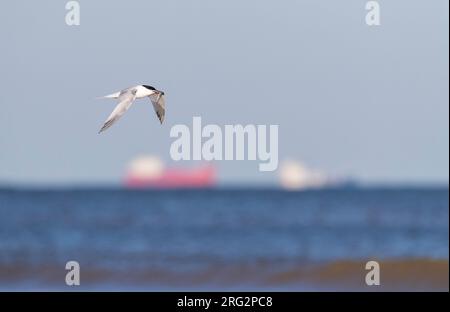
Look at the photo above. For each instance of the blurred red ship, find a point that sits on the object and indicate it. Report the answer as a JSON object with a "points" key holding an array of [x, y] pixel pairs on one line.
{"points": [[149, 172]]}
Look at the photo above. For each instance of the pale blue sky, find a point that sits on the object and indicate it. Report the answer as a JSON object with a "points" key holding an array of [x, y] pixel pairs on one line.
{"points": [[369, 102]]}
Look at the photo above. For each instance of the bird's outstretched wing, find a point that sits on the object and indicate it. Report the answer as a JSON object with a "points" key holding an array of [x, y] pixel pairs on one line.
{"points": [[125, 98], [159, 104]]}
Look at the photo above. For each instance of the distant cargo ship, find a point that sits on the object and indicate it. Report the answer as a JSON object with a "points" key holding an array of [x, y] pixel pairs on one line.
{"points": [[293, 175], [149, 172]]}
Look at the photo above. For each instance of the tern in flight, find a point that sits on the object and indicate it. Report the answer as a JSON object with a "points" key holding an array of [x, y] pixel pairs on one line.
{"points": [[127, 96]]}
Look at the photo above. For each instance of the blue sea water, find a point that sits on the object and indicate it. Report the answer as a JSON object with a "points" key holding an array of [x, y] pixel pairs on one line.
{"points": [[173, 232]]}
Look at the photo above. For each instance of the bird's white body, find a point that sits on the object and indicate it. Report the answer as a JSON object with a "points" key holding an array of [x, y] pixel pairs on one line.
{"points": [[143, 92]]}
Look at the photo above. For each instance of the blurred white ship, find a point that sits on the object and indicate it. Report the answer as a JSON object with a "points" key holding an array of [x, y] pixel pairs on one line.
{"points": [[294, 175]]}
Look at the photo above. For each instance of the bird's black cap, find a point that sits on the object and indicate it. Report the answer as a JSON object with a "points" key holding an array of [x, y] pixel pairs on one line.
{"points": [[149, 87]]}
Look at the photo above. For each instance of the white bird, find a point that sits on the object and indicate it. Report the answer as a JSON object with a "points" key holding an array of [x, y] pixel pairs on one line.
{"points": [[127, 96]]}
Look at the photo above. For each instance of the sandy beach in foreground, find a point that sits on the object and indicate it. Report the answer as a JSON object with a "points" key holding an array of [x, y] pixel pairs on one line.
{"points": [[396, 275]]}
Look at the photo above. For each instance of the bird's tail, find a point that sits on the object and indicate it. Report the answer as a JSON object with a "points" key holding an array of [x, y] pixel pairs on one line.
{"points": [[109, 96]]}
